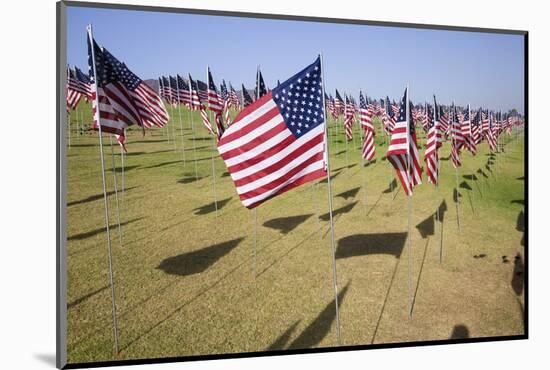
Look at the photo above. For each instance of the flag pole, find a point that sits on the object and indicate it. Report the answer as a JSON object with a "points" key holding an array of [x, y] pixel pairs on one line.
{"points": [[106, 207], [181, 122], [116, 190], [172, 115], [409, 205], [213, 143], [122, 165], [329, 186], [193, 128]]}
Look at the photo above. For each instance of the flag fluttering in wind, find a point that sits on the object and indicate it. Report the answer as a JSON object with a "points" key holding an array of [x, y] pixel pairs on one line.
{"points": [[365, 115], [338, 103], [476, 129], [278, 142], [348, 119], [174, 89], [457, 139], [78, 85], [196, 104], [247, 99], [124, 99], [403, 152], [431, 156], [260, 89], [183, 91], [389, 117], [490, 133], [215, 103], [466, 127]]}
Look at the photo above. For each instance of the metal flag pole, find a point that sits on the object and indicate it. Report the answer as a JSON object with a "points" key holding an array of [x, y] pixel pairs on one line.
{"points": [[409, 206], [122, 165], [69, 128], [472, 142], [314, 187], [181, 122], [213, 145], [111, 279], [193, 128], [329, 186], [172, 115], [116, 190]]}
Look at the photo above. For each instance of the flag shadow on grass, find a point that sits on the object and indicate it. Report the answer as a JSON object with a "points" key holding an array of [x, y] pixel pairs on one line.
{"points": [[283, 339], [518, 201], [320, 327], [460, 332], [520, 226], [86, 296], [391, 187], [341, 210], [195, 262], [370, 163], [95, 197], [126, 168], [211, 207], [349, 193], [100, 230], [365, 244], [286, 224], [332, 177], [517, 278]]}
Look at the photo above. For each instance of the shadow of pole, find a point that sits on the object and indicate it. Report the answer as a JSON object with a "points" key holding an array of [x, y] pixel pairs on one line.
{"points": [[419, 276]]}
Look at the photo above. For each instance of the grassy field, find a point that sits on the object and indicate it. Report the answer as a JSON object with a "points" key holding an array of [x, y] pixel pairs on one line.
{"points": [[189, 280]]}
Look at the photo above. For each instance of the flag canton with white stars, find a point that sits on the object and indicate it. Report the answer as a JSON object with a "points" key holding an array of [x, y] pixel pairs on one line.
{"points": [[362, 101], [431, 117], [182, 85], [300, 100], [211, 85], [402, 108], [467, 115], [223, 90], [116, 71]]}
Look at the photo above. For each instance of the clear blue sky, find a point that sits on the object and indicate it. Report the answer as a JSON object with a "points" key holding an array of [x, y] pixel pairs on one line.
{"points": [[477, 68]]}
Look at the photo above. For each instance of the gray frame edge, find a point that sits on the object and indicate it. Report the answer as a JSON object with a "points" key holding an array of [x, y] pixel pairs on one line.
{"points": [[61, 188]]}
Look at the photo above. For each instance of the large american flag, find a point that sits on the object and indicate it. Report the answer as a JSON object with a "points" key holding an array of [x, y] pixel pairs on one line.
{"points": [[365, 117], [215, 103], [278, 142], [124, 99], [402, 151]]}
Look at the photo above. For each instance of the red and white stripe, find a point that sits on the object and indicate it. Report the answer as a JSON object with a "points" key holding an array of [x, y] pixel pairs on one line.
{"points": [[264, 158]]}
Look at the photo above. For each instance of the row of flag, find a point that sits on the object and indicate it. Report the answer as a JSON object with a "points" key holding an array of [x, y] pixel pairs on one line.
{"points": [[278, 139]]}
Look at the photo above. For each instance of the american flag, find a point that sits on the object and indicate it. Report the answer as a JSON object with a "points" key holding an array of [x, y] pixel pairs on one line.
{"points": [[124, 99], [224, 94], [365, 115], [79, 82], [247, 100], [278, 142], [457, 139], [490, 133], [196, 104], [484, 123], [466, 128], [330, 105], [215, 103], [338, 103], [183, 91], [433, 143], [174, 89], [402, 151], [348, 119], [260, 89], [389, 117], [233, 97], [476, 127], [443, 123], [168, 92], [73, 95]]}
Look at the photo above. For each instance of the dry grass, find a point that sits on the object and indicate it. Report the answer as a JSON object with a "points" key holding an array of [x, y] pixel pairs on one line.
{"points": [[190, 283]]}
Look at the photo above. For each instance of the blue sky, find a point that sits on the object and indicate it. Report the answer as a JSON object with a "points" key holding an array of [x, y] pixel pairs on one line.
{"points": [[466, 67]]}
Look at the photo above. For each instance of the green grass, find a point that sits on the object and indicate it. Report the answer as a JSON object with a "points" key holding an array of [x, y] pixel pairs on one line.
{"points": [[190, 283]]}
